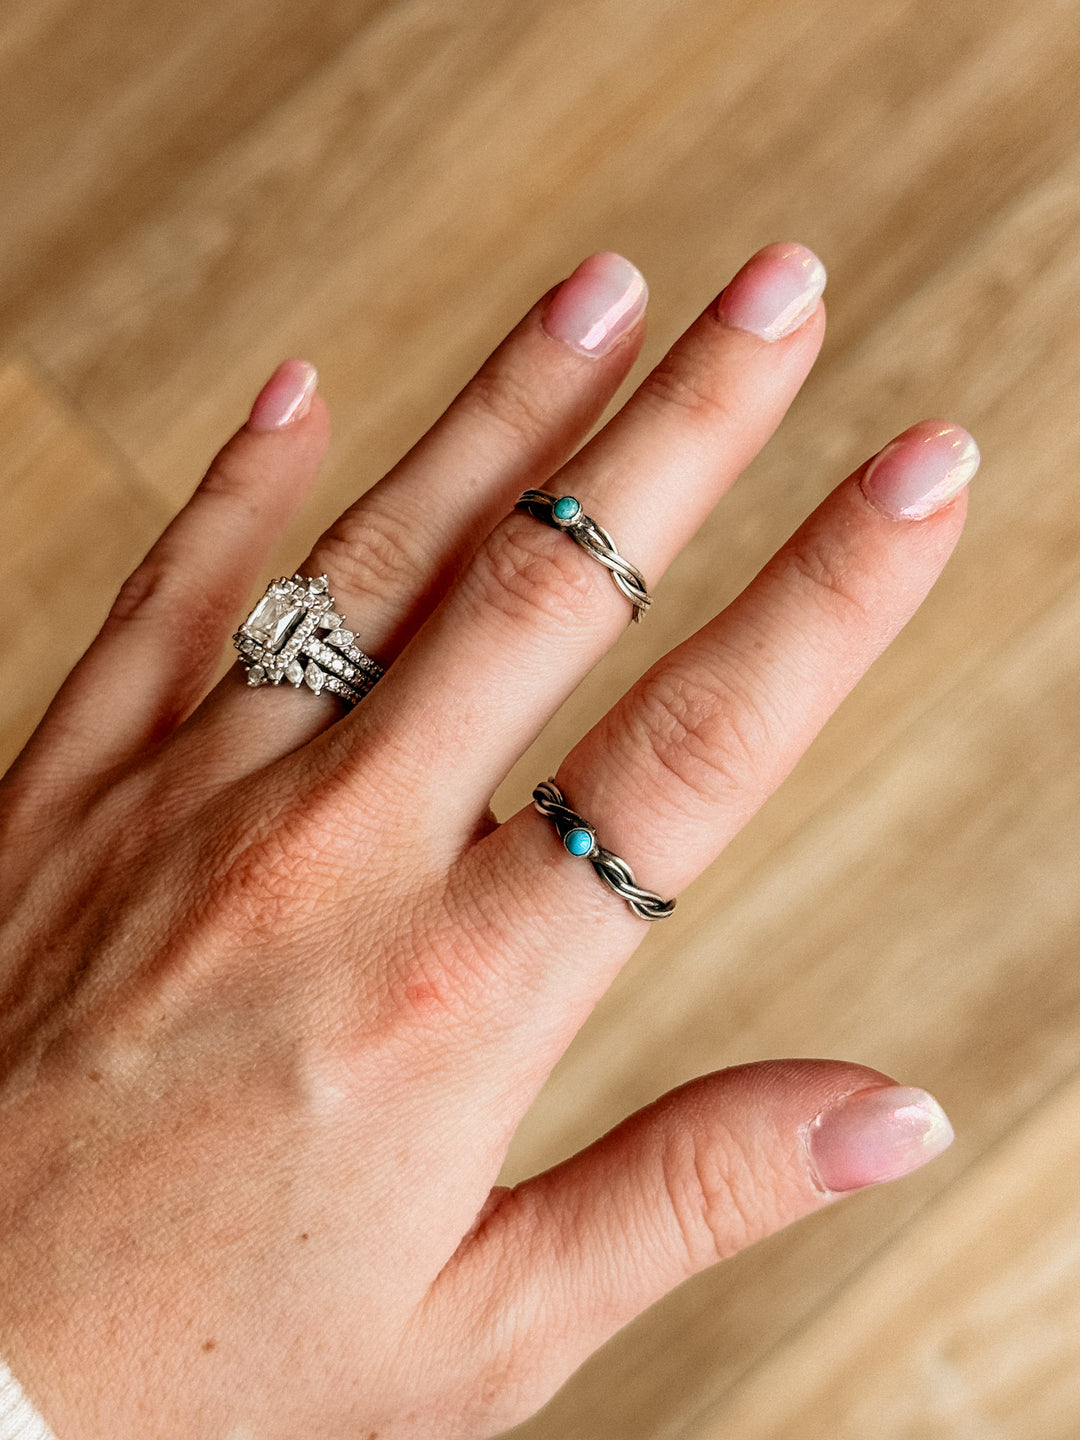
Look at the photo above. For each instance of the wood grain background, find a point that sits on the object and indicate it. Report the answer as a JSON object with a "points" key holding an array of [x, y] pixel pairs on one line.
{"points": [[191, 192]]}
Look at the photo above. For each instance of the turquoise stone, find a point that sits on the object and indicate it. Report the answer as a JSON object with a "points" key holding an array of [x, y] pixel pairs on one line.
{"points": [[566, 509], [578, 842]]}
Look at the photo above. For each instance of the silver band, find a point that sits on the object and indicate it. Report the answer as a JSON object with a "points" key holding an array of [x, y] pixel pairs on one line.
{"points": [[579, 838], [281, 640], [564, 512]]}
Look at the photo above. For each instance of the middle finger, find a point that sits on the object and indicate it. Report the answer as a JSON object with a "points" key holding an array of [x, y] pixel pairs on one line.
{"points": [[533, 613]]}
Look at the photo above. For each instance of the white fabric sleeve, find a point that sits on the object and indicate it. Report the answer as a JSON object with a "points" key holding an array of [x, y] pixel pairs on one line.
{"points": [[18, 1418]]}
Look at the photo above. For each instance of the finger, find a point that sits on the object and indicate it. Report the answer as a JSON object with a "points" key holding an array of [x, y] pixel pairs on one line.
{"points": [[156, 654], [533, 612], [392, 555], [563, 1260], [691, 752]]}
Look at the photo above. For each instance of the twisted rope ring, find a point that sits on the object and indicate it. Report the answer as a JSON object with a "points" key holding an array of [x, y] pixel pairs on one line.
{"points": [[592, 538], [613, 871]]}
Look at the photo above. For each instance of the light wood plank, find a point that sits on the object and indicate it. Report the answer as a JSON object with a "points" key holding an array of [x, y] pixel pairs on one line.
{"points": [[74, 521]]}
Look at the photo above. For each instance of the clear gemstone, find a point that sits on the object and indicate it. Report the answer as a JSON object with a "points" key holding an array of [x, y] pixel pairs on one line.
{"points": [[256, 675], [341, 637], [295, 673], [330, 620], [314, 676], [274, 619], [320, 584]]}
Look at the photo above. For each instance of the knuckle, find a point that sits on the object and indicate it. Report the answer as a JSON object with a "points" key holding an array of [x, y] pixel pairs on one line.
{"points": [[147, 587], [158, 586], [371, 552], [685, 385], [160, 593], [529, 573], [232, 477], [278, 876], [705, 734], [498, 395], [709, 1185], [834, 581]]}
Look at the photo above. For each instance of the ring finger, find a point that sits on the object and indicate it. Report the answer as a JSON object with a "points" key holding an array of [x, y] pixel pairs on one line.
{"points": [[691, 752], [399, 547]]}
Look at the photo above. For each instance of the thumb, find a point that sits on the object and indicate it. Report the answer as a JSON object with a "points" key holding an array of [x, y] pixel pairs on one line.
{"points": [[566, 1258]]}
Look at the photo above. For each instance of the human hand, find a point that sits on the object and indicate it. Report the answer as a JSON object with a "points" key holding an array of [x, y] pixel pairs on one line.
{"points": [[277, 989]]}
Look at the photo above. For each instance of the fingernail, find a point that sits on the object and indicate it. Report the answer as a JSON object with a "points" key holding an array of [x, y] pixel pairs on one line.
{"points": [[774, 292], [921, 470], [876, 1135], [285, 397], [601, 300]]}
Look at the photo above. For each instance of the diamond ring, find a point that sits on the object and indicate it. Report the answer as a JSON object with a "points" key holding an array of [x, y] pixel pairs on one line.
{"points": [[296, 633]]}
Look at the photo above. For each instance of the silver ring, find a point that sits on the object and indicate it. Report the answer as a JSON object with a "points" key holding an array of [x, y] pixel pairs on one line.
{"points": [[281, 640], [564, 512], [579, 838]]}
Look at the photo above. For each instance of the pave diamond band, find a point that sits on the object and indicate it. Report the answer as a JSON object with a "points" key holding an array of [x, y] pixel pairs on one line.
{"points": [[579, 838], [295, 633], [564, 512]]}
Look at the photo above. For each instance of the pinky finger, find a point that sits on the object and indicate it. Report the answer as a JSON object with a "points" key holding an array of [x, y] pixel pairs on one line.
{"points": [[155, 657]]}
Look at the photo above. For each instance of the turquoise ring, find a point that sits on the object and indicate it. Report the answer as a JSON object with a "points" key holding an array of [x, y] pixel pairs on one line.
{"points": [[564, 512], [579, 838]]}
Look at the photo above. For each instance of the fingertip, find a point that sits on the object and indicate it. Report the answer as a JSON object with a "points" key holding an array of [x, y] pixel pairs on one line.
{"points": [[874, 1135], [285, 398], [775, 293], [921, 471], [603, 300]]}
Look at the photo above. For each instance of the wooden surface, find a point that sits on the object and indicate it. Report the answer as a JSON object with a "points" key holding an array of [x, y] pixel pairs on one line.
{"points": [[190, 192]]}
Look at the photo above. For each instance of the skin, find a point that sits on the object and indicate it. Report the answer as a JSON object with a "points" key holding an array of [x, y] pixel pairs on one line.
{"points": [[276, 989]]}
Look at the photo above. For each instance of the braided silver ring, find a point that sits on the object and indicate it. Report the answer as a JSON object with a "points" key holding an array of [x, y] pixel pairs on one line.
{"points": [[280, 640], [579, 838], [564, 512]]}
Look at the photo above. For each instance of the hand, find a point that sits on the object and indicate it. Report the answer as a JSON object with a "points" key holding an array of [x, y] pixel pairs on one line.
{"points": [[277, 989]]}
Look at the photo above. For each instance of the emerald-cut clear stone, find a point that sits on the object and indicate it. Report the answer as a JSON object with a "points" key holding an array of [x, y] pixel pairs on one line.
{"points": [[273, 620], [566, 508]]}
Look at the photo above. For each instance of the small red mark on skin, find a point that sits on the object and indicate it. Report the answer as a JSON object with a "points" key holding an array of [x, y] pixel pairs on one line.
{"points": [[209, 1345], [95, 1075], [304, 1236], [422, 994]]}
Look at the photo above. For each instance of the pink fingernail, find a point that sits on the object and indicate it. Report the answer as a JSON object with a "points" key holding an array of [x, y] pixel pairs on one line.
{"points": [[876, 1135], [921, 470], [285, 397], [774, 292], [601, 300]]}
